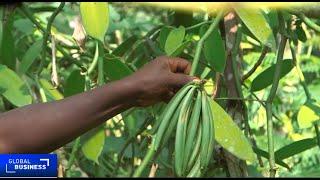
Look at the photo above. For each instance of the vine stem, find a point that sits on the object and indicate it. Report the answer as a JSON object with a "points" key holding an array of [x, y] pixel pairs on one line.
{"points": [[24, 10], [257, 64], [270, 98], [147, 158], [75, 147], [201, 41], [95, 59], [307, 21], [46, 35]]}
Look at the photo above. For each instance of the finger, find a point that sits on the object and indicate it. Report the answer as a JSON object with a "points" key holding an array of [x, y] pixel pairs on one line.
{"points": [[178, 80], [179, 65]]}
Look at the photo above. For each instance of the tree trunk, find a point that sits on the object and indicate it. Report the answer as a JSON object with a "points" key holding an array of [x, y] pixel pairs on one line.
{"points": [[235, 166]]}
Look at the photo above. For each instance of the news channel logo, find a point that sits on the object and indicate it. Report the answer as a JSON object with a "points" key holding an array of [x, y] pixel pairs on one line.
{"points": [[28, 165]]}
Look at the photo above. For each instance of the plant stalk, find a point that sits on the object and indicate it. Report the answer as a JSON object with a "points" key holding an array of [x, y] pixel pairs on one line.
{"points": [[270, 98], [46, 35], [201, 41]]}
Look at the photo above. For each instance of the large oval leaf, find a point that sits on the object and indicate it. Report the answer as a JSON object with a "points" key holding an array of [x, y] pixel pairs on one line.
{"points": [[214, 49], [308, 114], [258, 25], [13, 88], [295, 148], [51, 92], [92, 143], [29, 57], [228, 134], [164, 32], [75, 84], [265, 78], [174, 39], [95, 18], [115, 69]]}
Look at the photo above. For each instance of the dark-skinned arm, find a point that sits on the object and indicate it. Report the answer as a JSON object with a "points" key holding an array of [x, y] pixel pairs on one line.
{"points": [[44, 127]]}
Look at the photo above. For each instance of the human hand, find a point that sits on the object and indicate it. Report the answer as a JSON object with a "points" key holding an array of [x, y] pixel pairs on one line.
{"points": [[160, 79]]}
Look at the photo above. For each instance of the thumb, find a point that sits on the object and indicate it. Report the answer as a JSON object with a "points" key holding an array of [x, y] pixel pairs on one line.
{"points": [[178, 80]]}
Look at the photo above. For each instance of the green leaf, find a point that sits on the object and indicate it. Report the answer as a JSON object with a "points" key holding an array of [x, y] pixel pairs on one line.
{"points": [[115, 69], [24, 25], [301, 34], [164, 32], [13, 88], [180, 49], [29, 57], [295, 148], [1, 27], [265, 78], [125, 46], [95, 18], [214, 49], [92, 143], [75, 83], [308, 114], [272, 17], [49, 90], [174, 39], [265, 154], [7, 49], [258, 25], [228, 134]]}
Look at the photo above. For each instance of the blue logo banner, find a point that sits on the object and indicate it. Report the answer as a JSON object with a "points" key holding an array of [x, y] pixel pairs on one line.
{"points": [[28, 165]]}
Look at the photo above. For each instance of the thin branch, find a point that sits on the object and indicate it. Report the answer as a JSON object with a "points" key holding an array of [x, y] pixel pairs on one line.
{"points": [[198, 25], [46, 35], [257, 64], [30, 16]]}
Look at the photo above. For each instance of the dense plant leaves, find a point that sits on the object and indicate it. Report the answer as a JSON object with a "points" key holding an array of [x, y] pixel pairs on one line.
{"points": [[115, 69], [258, 25], [95, 18], [228, 134], [93, 142], [265, 154], [13, 88], [295, 148], [265, 78], [308, 114], [75, 84], [51, 92], [174, 39], [164, 32], [125, 46], [29, 57], [7, 49], [214, 49]]}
